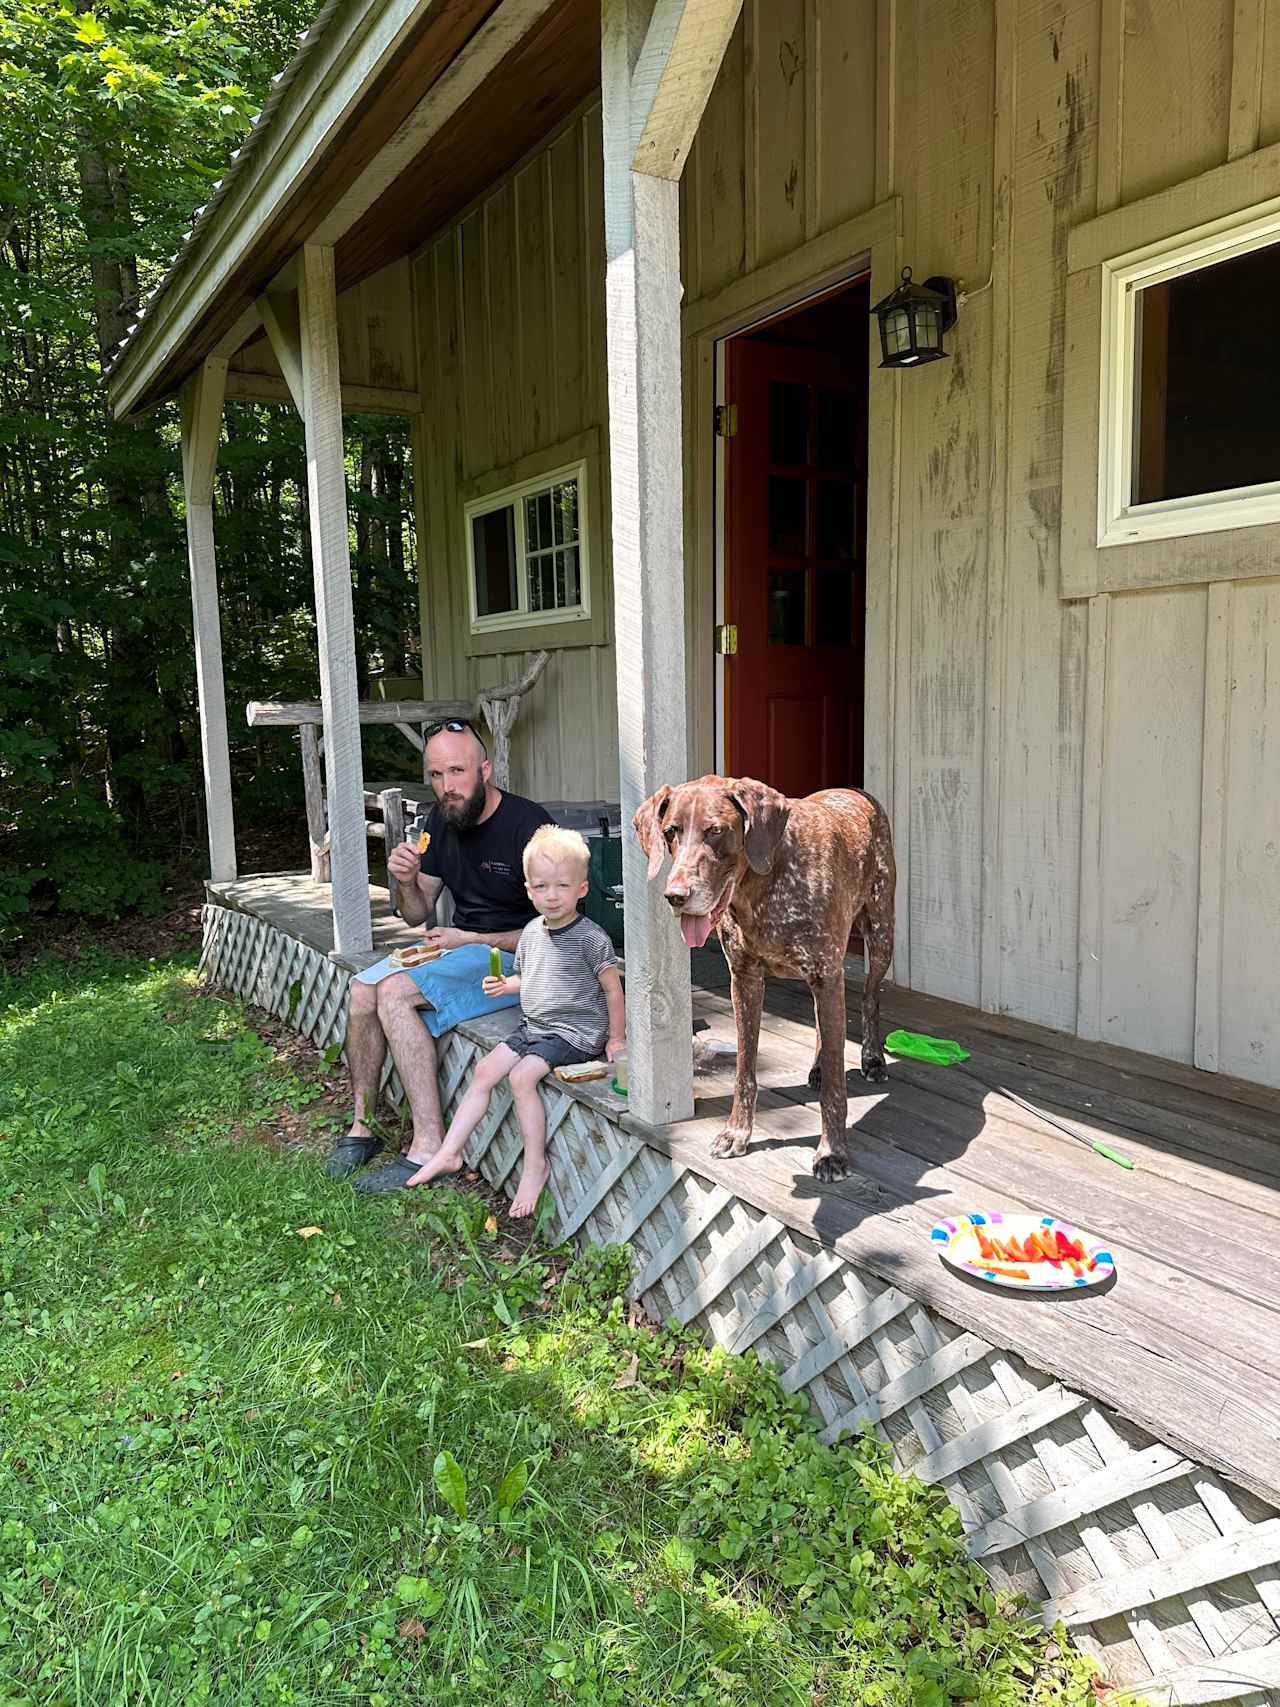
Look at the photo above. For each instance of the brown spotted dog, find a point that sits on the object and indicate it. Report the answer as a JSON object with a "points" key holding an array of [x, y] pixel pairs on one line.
{"points": [[789, 885]]}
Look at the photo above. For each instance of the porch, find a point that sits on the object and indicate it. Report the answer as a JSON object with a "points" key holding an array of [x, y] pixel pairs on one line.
{"points": [[1116, 1457]]}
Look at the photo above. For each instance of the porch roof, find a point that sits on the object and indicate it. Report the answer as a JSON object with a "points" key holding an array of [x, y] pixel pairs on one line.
{"points": [[392, 117]]}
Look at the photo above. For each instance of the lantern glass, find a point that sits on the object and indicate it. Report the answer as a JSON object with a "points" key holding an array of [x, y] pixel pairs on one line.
{"points": [[928, 328], [913, 319], [896, 332]]}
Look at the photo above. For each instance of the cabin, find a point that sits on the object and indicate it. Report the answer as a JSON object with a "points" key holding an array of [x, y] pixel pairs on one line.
{"points": [[619, 263]]}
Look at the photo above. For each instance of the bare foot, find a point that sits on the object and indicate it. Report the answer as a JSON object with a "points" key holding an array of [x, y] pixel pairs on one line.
{"points": [[423, 1150], [532, 1181], [440, 1161]]}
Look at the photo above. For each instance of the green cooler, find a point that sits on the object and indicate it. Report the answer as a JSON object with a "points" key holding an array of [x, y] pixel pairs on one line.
{"points": [[604, 898], [600, 821]]}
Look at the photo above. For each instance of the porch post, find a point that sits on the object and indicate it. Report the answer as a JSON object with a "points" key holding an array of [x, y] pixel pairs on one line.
{"points": [[201, 424], [659, 60], [335, 625], [642, 308]]}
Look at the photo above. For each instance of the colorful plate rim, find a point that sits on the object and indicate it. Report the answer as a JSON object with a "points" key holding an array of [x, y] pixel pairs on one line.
{"points": [[945, 1231]]}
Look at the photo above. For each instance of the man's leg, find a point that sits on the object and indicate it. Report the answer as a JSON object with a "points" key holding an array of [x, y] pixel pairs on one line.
{"points": [[413, 1049], [366, 1048], [525, 1078]]}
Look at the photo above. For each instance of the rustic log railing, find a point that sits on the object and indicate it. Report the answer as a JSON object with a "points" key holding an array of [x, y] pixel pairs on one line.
{"points": [[498, 707]]}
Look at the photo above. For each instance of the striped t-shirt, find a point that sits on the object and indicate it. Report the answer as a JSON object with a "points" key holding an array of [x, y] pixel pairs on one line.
{"points": [[559, 971]]}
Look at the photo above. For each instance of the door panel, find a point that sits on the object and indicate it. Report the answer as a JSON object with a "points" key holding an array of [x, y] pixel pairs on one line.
{"points": [[795, 539], [795, 749]]}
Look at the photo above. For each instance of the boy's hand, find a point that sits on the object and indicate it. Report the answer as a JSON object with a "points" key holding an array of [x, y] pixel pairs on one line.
{"points": [[614, 1047], [493, 987]]}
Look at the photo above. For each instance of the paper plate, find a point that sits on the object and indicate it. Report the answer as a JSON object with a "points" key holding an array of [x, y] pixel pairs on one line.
{"points": [[957, 1245]]}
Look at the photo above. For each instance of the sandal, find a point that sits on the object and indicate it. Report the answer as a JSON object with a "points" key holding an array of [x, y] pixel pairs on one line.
{"points": [[394, 1175], [349, 1153]]}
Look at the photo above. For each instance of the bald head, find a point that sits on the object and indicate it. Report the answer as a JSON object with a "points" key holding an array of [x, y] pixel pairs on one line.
{"points": [[450, 743], [458, 770]]}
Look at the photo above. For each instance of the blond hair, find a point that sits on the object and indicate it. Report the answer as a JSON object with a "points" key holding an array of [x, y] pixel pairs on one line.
{"points": [[557, 846]]}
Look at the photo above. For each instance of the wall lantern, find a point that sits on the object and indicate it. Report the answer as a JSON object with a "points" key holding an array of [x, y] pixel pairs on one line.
{"points": [[912, 320]]}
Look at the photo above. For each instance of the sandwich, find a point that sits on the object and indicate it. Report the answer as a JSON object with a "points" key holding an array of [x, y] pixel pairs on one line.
{"points": [[415, 954]]}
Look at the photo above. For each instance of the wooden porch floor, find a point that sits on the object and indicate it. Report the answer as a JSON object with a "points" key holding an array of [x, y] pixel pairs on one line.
{"points": [[1187, 1342]]}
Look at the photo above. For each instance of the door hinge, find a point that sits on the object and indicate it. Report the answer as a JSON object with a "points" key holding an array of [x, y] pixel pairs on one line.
{"points": [[726, 420], [727, 639]]}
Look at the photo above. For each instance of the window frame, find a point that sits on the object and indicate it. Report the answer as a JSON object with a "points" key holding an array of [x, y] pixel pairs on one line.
{"points": [[1224, 197], [513, 496], [1120, 521]]}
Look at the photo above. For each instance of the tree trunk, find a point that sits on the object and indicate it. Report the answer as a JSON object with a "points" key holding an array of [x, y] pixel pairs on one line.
{"points": [[391, 492], [138, 508], [364, 590]]}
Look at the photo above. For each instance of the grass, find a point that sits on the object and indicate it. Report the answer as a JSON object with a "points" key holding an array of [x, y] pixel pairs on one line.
{"points": [[263, 1443]]}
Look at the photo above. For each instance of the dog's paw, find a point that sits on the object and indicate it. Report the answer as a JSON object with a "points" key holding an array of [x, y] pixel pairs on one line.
{"points": [[732, 1141], [873, 1068], [830, 1168], [815, 1077]]}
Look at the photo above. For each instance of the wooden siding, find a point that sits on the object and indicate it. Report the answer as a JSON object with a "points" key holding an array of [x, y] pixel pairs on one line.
{"points": [[510, 305], [1083, 788], [375, 334], [1026, 721]]}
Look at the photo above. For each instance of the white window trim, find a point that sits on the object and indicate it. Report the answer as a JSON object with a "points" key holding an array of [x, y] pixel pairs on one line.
{"points": [[522, 616], [1120, 521]]}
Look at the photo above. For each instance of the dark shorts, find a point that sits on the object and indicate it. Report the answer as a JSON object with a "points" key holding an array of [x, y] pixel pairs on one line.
{"points": [[555, 1051]]}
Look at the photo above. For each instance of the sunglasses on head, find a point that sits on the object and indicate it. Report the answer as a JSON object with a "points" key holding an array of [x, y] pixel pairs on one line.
{"points": [[454, 726]]}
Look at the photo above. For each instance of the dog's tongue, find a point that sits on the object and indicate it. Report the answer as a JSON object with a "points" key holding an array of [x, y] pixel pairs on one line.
{"points": [[695, 928]]}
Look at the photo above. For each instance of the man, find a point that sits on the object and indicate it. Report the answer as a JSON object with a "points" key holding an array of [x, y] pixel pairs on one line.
{"points": [[478, 837]]}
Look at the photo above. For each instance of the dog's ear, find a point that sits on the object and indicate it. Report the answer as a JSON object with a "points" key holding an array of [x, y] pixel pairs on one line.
{"points": [[648, 823], [765, 813]]}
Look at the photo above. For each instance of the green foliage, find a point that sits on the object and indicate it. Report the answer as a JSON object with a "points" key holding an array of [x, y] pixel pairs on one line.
{"points": [[451, 1484], [247, 1466], [115, 122]]}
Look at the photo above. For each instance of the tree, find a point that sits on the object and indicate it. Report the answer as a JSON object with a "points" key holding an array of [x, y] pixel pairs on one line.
{"points": [[115, 120]]}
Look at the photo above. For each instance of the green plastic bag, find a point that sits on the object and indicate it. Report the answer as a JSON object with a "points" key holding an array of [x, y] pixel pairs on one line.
{"points": [[937, 1051]]}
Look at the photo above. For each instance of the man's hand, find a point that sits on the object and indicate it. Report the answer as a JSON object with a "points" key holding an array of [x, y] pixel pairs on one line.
{"points": [[614, 1047], [444, 936], [404, 862]]}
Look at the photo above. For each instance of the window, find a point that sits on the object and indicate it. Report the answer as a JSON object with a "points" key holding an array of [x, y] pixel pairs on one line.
{"points": [[527, 553], [1190, 436]]}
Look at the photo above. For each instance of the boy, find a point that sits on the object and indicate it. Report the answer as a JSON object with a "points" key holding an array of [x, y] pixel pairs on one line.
{"points": [[571, 996]]}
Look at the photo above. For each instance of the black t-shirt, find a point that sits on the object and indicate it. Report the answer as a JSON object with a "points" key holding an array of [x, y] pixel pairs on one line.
{"points": [[482, 867]]}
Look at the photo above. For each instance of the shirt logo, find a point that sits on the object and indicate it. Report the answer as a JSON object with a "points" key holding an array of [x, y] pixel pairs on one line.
{"points": [[498, 867]]}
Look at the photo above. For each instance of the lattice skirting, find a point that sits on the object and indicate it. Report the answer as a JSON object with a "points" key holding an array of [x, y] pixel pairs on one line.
{"points": [[1163, 1570]]}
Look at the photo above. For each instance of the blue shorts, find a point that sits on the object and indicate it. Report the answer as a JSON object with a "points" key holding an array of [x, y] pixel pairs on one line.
{"points": [[451, 985]]}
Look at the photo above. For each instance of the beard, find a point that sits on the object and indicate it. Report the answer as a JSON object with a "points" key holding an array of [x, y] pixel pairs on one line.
{"points": [[464, 814]]}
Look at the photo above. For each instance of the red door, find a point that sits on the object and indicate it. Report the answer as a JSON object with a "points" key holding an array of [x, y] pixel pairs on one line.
{"points": [[795, 536]]}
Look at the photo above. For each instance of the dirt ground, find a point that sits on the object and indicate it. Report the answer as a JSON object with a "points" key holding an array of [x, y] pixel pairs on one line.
{"points": [[146, 937]]}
